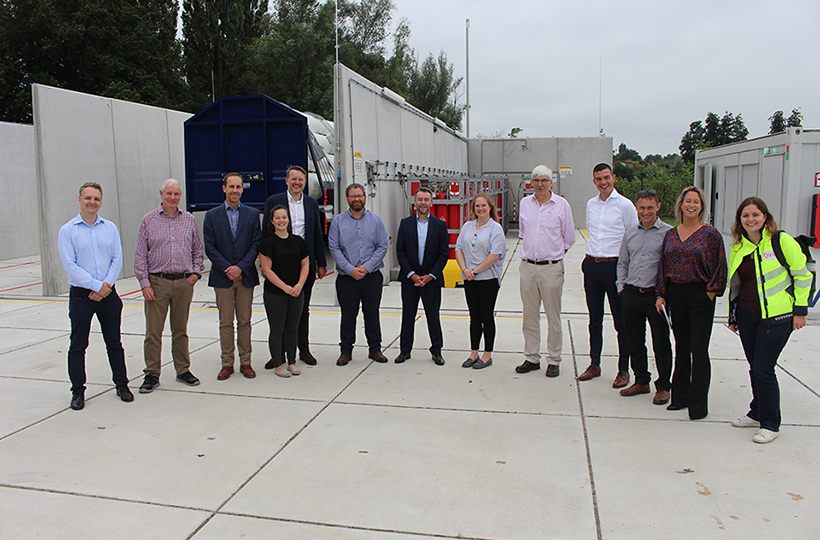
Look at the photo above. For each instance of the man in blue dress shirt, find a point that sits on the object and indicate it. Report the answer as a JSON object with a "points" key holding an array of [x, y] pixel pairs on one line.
{"points": [[358, 244], [91, 253]]}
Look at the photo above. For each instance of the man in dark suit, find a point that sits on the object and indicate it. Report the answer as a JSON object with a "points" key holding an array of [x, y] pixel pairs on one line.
{"points": [[232, 234], [422, 250], [303, 213]]}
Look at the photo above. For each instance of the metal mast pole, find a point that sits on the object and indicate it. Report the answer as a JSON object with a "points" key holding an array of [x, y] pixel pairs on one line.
{"points": [[468, 78]]}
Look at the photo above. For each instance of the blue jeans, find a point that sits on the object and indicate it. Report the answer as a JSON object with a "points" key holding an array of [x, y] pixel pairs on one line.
{"points": [[599, 280], [762, 344], [81, 309]]}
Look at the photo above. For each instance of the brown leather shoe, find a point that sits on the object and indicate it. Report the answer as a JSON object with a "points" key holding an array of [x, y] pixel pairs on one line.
{"points": [[661, 397], [307, 358], [635, 389], [247, 371], [343, 359], [591, 371], [621, 380], [224, 373], [527, 366], [378, 357]]}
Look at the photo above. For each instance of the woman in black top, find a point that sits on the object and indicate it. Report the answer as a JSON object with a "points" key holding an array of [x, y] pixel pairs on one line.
{"points": [[284, 259]]}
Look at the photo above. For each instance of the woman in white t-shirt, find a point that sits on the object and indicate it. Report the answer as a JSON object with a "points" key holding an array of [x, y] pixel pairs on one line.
{"points": [[480, 252]]}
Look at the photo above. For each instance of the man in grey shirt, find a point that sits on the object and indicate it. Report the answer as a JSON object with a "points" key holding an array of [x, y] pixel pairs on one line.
{"points": [[358, 243], [637, 271]]}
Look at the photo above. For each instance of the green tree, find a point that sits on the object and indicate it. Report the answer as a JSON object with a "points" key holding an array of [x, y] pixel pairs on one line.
{"points": [[713, 131], [125, 49], [795, 119], [692, 141], [433, 90], [217, 35], [777, 122], [627, 154], [293, 62]]}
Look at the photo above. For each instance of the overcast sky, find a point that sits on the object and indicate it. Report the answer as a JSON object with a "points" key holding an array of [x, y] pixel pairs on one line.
{"points": [[535, 64]]}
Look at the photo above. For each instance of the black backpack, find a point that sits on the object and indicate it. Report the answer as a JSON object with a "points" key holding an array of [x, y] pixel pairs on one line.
{"points": [[805, 242]]}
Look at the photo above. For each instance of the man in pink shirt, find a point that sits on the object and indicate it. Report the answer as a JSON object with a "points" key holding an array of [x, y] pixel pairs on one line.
{"points": [[547, 232], [167, 264]]}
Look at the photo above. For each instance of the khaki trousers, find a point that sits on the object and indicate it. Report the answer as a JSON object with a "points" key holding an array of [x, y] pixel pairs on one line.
{"points": [[177, 295], [235, 300], [542, 285]]}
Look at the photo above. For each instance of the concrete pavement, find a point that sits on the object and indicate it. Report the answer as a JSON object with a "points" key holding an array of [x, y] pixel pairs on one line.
{"points": [[386, 451]]}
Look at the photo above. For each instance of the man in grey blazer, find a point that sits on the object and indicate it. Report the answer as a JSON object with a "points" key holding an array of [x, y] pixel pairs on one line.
{"points": [[303, 213], [232, 234]]}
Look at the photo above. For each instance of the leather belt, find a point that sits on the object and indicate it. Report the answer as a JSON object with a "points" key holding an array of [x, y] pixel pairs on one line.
{"points": [[164, 275], [539, 263], [603, 259], [642, 290]]}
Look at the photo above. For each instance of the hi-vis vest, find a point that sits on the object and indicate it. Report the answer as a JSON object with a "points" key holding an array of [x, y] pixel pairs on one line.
{"points": [[778, 296]]}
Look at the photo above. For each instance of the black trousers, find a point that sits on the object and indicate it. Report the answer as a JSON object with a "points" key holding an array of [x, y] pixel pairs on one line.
{"points": [[81, 310], [599, 281], [430, 296], [351, 293], [481, 297], [637, 309], [692, 314], [304, 330], [283, 321]]}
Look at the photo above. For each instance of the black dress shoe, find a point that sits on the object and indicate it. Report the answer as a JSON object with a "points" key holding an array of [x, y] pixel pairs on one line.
{"points": [[78, 401], [553, 370], [469, 362], [125, 394], [676, 407], [438, 359], [270, 364], [307, 358], [402, 357]]}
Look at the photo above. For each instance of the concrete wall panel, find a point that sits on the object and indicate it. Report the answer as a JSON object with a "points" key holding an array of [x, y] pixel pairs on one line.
{"points": [[129, 148], [518, 157], [19, 221]]}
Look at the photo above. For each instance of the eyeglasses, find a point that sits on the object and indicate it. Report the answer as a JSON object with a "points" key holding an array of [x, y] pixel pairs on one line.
{"points": [[644, 192], [355, 196], [540, 180]]}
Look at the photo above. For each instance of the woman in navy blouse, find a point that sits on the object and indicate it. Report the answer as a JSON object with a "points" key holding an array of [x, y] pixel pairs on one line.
{"points": [[692, 272]]}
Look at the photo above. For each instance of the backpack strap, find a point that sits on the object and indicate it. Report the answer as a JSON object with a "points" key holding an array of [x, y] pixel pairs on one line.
{"points": [[778, 251]]}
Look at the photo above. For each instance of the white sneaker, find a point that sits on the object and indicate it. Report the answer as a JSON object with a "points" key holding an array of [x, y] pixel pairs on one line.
{"points": [[765, 436], [745, 421]]}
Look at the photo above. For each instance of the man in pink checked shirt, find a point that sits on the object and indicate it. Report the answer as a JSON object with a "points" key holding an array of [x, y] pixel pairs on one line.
{"points": [[547, 232], [167, 263]]}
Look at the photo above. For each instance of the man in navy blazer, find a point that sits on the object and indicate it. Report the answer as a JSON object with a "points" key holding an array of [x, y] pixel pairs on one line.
{"points": [[303, 213], [232, 235], [421, 247]]}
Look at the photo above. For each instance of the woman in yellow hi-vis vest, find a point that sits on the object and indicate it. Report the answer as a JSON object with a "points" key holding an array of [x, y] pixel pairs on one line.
{"points": [[766, 302]]}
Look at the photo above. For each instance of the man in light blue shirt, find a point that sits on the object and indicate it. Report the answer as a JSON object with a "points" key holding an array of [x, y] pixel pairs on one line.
{"points": [[91, 253], [358, 243]]}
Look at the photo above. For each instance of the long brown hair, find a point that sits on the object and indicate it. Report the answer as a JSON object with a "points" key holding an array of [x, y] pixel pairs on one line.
{"points": [[493, 210], [738, 232]]}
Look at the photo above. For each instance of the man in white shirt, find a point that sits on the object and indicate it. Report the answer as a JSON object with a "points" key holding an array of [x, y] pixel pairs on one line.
{"points": [[609, 215]]}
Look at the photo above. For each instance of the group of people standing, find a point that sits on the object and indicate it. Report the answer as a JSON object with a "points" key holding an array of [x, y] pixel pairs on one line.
{"points": [[648, 271]]}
